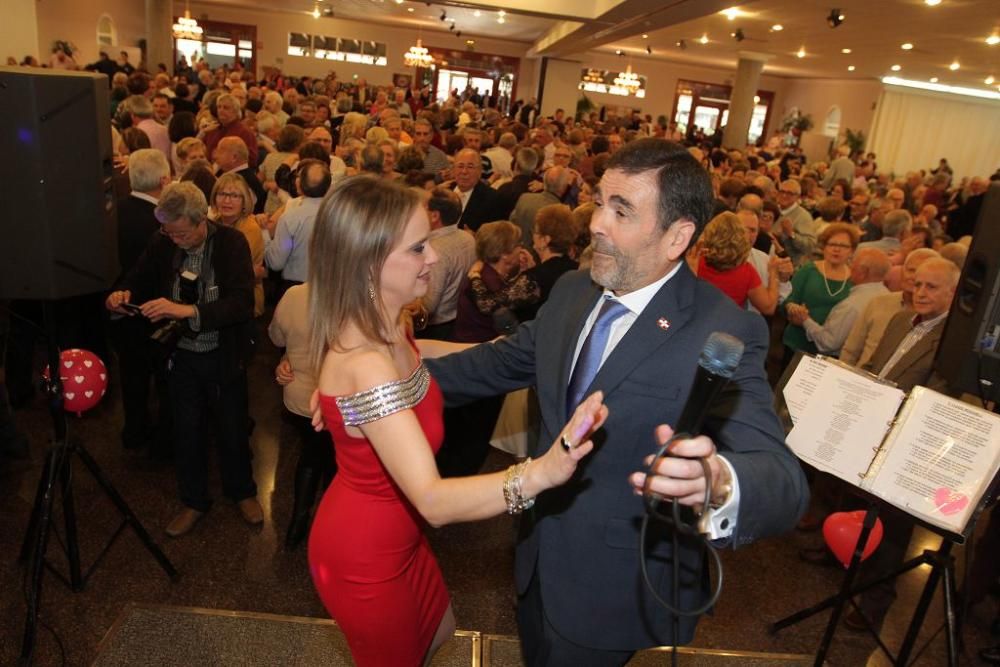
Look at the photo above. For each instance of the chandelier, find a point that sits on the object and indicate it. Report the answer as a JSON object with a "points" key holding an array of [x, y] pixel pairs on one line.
{"points": [[628, 80], [187, 28], [418, 56]]}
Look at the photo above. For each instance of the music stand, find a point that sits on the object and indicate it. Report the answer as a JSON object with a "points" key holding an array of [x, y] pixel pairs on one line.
{"points": [[940, 560], [58, 471]]}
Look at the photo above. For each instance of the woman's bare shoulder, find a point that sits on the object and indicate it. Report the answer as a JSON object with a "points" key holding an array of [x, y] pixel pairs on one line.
{"points": [[355, 370]]}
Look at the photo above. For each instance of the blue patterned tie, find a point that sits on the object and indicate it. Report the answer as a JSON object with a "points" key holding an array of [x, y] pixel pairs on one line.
{"points": [[589, 361]]}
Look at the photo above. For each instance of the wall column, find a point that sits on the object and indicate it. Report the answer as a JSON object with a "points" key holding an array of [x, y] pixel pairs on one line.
{"points": [[159, 34], [741, 101]]}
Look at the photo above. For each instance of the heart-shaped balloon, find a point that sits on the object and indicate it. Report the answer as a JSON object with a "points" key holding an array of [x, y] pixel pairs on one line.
{"points": [[841, 530]]}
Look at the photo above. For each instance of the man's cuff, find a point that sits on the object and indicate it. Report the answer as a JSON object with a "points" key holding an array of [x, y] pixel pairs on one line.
{"points": [[194, 322], [721, 521]]}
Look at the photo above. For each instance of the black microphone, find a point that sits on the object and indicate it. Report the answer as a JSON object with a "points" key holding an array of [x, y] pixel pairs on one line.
{"points": [[718, 362]]}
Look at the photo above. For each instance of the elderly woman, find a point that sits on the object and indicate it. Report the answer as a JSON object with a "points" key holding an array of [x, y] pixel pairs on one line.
{"points": [[819, 286], [553, 236], [829, 209], [290, 139], [720, 258], [232, 204], [186, 151]]}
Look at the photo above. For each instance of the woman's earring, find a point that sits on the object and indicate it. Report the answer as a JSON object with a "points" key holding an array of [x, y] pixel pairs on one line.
{"points": [[371, 291]]}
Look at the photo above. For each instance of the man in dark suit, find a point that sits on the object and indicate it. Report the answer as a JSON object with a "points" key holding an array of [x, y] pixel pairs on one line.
{"points": [[148, 173], [479, 201], [905, 356], [637, 333], [231, 156]]}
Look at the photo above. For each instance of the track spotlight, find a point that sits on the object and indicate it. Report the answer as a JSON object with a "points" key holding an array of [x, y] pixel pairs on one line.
{"points": [[444, 15], [738, 35], [458, 34], [835, 18], [451, 27], [681, 44], [619, 52], [649, 49]]}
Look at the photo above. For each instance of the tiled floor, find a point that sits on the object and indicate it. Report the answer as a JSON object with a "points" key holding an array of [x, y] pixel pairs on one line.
{"points": [[226, 565]]}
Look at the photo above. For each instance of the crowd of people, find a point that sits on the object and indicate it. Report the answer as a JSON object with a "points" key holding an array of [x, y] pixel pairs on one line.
{"points": [[382, 227]]}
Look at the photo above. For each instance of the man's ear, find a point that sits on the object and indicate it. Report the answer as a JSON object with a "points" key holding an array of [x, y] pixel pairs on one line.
{"points": [[677, 239]]}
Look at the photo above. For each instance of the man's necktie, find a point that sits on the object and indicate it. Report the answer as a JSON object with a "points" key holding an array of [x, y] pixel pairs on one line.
{"points": [[589, 361]]}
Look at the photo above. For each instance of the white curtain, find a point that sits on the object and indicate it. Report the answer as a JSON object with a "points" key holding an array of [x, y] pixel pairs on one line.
{"points": [[913, 129]]}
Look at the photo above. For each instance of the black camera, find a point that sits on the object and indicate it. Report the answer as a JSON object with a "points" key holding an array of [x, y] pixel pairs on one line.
{"points": [[171, 333]]}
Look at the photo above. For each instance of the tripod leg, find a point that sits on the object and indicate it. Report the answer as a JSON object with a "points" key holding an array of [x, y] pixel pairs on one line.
{"points": [[943, 555], [36, 509], [126, 512], [951, 632], [69, 517], [43, 508]]}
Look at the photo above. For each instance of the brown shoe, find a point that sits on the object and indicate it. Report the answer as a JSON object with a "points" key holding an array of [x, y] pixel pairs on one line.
{"points": [[184, 522], [251, 511]]}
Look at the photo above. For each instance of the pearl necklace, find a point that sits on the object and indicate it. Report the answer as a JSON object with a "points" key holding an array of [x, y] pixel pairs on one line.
{"points": [[827, 284]]}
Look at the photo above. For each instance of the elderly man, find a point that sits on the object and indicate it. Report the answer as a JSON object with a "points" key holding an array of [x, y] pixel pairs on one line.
{"points": [[479, 201], [556, 182], [288, 250], [798, 230], [272, 104], [867, 330], [322, 136], [231, 156], [148, 174], [840, 169], [868, 269], [638, 311], [456, 251], [141, 110], [435, 161], [195, 282], [227, 111], [501, 156], [895, 227], [905, 356]]}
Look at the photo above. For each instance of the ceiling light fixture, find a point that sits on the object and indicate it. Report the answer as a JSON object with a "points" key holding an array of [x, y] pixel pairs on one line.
{"points": [[186, 27], [501, 16], [845, 51], [777, 27], [738, 35], [732, 13], [410, 9], [896, 68], [801, 53], [628, 80], [645, 35], [934, 79], [399, 2], [477, 13], [835, 18], [704, 38], [993, 39], [906, 47], [315, 12], [418, 56], [619, 52], [942, 88], [681, 44], [932, 3], [989, 80], [850, 68], [954, 66]]}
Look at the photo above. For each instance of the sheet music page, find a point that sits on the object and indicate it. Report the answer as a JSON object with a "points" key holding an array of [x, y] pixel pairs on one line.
{"points": [[843, 421], [940, 460], [802, 385]]}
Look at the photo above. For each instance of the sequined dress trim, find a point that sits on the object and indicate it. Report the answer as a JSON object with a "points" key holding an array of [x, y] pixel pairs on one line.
{"points": [[385, 399]]}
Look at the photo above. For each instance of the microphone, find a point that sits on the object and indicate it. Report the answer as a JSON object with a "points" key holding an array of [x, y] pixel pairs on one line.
{"points": [[718, 362]]}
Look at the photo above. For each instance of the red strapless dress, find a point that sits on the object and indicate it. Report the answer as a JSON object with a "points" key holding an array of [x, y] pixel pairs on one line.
{"points": [[369, 558]]}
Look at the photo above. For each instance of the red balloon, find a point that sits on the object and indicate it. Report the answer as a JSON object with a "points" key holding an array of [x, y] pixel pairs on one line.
{"points": [[841, 530], [84, 377]]}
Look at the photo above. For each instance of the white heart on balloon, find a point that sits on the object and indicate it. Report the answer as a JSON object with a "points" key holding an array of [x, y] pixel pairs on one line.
{"points": [[104, 376], [70, 395], [79, 379], [88, 363], [68, 364], [88, 393]]}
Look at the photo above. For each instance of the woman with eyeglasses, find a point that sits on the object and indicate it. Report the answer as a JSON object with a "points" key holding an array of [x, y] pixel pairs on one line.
{"points": [[818, 286], [232, 204]]}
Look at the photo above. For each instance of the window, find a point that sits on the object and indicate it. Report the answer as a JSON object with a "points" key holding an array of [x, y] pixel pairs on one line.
{"points": [[107, 34], [334, 48], [603, 81]]}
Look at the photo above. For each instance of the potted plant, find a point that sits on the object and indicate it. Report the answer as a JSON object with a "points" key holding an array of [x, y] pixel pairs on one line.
{"points": [[584, 106]]}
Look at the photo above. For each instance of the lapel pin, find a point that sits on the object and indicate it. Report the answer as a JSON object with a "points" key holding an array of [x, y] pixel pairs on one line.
{"points": [[663, 323]]}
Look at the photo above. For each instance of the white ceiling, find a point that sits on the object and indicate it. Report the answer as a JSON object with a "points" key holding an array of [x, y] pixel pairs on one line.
{"points": [[955, 30]]}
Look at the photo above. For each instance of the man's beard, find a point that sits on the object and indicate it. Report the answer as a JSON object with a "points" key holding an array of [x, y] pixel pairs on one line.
{"points": [[617, 274]]}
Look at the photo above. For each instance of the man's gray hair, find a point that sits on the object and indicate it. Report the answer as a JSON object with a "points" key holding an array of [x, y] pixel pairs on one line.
{"points": [[527, 161], [232, 99], [556, 180], [897, 223], [508, 140], [139, 106], [182, 200], [147, 168]]}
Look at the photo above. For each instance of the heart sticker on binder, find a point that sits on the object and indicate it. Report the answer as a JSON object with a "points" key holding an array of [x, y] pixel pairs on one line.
{"points": [[950, 502]]}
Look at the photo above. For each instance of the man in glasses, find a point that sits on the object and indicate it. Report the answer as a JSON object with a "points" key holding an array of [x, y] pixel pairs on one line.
{"points": [[195, 282], [798, 229]]}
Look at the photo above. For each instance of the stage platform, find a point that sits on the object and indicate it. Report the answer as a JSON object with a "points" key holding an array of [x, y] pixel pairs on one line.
{"points": [[159, 635]]}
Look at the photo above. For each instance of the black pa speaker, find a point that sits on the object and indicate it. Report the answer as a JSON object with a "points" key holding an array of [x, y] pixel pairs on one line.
{"points": [[57, 211], [969, 354]]}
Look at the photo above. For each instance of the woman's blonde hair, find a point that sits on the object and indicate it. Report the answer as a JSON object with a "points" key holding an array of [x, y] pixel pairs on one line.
{"points": [[359, 223], [496, 239], [235, 181], [724, 243]]}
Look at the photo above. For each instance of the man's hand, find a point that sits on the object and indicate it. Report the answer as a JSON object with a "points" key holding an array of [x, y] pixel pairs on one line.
{"points": [[116, 299], [786, 227], [785, 268], [318, 423], [680, 475], [165, 309]]}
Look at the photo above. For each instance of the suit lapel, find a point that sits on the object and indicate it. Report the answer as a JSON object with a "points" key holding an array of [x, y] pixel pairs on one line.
{"points": [[672, 303], [920, 351]]}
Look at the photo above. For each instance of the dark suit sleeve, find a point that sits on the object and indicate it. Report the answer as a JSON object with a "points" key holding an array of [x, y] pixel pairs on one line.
{"points": [[234, 278], [143, 280], [773, 490]]}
